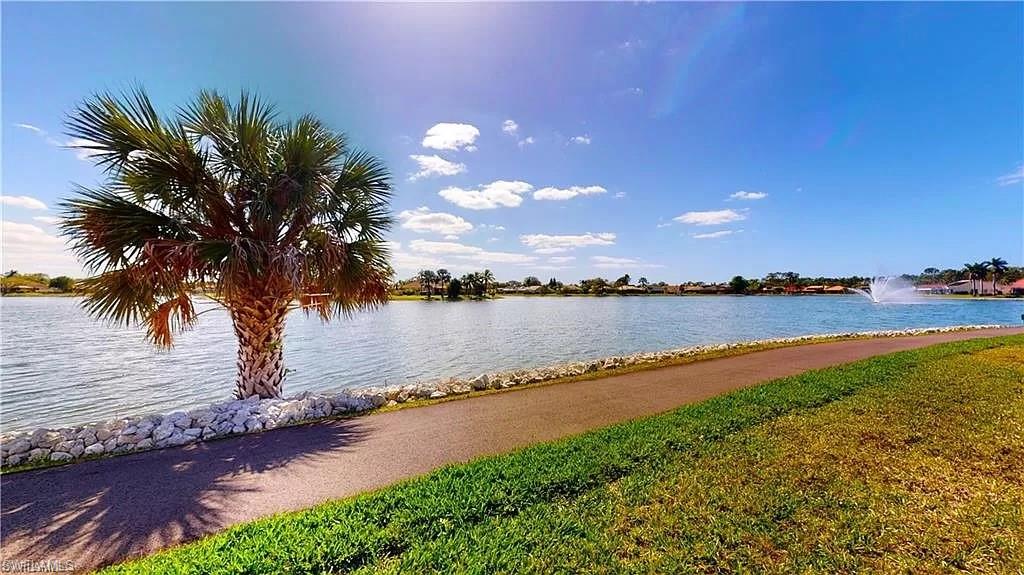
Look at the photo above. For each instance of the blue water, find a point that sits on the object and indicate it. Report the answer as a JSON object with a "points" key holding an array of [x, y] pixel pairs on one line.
{"points": [[60, 367]]}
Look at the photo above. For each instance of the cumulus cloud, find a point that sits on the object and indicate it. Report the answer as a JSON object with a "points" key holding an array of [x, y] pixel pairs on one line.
{"points": [[510, 127], [422, 220], [584, 139], [450, 136], [567, 193], [27, 202], [406, 263], [29, 247], [468, 253], [561, 259], [710, 218], [553, 244], [718, 234], [434, 165], [527, 141], [607, 262], [741, 195], [1013, 178], [497, 194]]}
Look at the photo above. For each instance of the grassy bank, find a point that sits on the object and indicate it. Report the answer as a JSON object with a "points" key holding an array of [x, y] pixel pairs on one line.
{"points": [[912, 461]]}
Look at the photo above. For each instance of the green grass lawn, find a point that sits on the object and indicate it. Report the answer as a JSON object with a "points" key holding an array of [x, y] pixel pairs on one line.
{"points": [[911, 462]]}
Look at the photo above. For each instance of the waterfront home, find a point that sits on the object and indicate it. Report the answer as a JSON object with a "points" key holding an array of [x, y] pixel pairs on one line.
{"points": [[1016, 288], [630, 290], [813, 289], [980, 287], [932, 289], [835, 290]]}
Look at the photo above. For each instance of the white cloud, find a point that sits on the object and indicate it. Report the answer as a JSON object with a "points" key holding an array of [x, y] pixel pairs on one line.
{"points": [[741, 195], [492, 227], [584, 139], [32, 128], [406, 263], [664, 224], [551, 244], [468, 253], [422, 220], [29, 248], [527, 141], [500, 193], [510, 127], [1013, 178], [561, 259], [434, 165], [718, 234], [50, 220], [82, 148], [448, 136], [607, 262], [619, 195], [567, 193], [27, 202], [710, 218]]}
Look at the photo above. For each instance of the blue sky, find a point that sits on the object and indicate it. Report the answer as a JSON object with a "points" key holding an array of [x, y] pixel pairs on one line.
{"points": [[672, 141]]}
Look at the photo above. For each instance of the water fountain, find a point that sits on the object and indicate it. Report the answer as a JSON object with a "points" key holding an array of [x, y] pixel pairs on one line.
{"points": [[884, 289]]}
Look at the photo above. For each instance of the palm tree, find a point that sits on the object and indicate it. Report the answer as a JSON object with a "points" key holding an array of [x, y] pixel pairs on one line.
{"points": [[427, 279], [998, 267], [444, 278], [488, 278], [642, 282], [976, 273], [224, 198]]}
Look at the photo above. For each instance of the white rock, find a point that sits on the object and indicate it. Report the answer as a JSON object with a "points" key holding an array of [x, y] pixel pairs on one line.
{"points": [[94, 449], [60, 456]]}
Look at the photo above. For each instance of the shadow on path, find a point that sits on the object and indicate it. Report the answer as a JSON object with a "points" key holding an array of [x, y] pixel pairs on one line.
{"points": [[97, 512]]}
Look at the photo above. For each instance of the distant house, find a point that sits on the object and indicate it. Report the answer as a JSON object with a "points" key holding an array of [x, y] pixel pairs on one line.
{"points": [[1016, 288], [702, 289], [657, 289], [932, 289], [630, 290], [813, 289], [835, 290], [23, 288], [983, 287]]}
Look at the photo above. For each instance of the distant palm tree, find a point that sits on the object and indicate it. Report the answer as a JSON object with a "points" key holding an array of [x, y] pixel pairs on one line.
{"points": [[427, 280], [487, 278], [443, 278], [976, 273], [224, 198], [998, 267], [642, 282]]}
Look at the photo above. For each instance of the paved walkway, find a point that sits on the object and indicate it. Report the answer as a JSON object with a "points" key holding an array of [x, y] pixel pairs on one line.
{"points": [[98, 512]]}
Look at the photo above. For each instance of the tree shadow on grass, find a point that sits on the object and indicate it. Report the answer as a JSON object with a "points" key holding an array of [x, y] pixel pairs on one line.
{"points": [[98, 512]]}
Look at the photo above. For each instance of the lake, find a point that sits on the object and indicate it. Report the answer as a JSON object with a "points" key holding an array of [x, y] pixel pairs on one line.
{"points": [[60, 367]]}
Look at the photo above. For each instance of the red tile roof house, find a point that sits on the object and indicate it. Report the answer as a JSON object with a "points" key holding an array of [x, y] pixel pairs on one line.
{"points": [[1016, 288]]}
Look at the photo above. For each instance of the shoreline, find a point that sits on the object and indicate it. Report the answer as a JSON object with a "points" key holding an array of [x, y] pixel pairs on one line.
{"points": [[47, 446]]}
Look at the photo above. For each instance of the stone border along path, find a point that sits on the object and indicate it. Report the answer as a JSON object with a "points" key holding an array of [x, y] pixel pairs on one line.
{"points": [[107, 510], [131, 434]]}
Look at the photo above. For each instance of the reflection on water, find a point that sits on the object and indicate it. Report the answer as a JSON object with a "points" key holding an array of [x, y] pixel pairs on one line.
{"points": [[61, 367]]}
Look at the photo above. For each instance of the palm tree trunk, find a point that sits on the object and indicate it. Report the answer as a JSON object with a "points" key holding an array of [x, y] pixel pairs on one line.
{"points": [[259, 326]]}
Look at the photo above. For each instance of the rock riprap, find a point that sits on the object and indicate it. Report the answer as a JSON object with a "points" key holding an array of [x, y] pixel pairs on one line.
{"points": [[254, 415]]}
